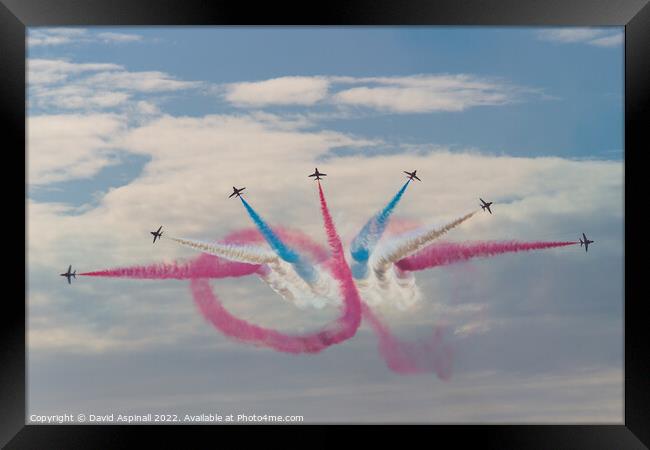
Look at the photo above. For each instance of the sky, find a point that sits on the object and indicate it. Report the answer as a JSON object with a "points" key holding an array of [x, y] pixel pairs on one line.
{"points": [[131, 128]]}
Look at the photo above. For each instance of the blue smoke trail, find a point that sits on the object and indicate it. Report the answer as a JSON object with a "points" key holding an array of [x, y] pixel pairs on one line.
{"points": [[364, 243], [303, 268]]}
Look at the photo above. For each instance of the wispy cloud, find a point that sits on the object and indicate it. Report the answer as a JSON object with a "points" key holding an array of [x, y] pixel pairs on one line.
{"points": [[80, 97], [608, 41], [425, 93], [50, 71], [150, 81], [44, 37], [62, 84], [598, 37], [406, 94], [119, 37]]}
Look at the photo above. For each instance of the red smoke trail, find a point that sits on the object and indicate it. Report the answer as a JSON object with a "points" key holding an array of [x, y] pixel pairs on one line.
{"points": [[241, 330], [423, 356], [208, 267], [443, 253], [212, 266], [341, 271], [340, 330]]}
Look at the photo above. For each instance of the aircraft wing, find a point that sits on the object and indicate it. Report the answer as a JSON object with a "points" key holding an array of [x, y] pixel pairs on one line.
{"points": [[69, 280]]}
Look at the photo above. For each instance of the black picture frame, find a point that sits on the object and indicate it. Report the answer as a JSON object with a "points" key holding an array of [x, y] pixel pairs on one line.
{"points": [[16, 15]]}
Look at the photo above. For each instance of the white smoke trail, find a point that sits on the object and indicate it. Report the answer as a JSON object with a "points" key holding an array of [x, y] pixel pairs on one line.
{"points": [[409, 291], [279, 275], [239, 253], [283, 279], [280, 278], [395, 289], [411, 243]]}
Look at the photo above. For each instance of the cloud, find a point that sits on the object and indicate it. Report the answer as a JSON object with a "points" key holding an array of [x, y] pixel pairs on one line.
{"points": [[425, 93], [147, 108], [119, 37], [614, 40], [598, 37], [49, 71], [149, 81], [64, 147], [65, 85], [53, 37], [226, 381], [74, 96], [49, 37], [407, 94], [278, 91]]}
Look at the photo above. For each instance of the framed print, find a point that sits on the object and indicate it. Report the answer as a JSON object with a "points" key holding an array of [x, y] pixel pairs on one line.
{"points": [[365, 213]]}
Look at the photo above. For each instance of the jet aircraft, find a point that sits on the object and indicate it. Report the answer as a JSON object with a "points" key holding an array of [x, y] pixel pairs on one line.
{"points": [[317, 174], [486, 205], [412, 175], [69, 274], [585, 242], [156, 234], [236, 192]]}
